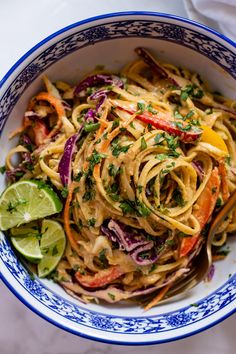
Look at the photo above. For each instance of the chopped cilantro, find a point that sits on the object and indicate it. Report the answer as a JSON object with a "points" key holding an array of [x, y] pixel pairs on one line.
{"points": [[78, 177], [228, 160], [2, 169], [178, 115], [64, 192], [127, 207], [142, 210], [189, 114], [177, 196], [117, 148], [161, 157], [140, 188], [112, 296], [80, 224], [184, 95], [132, 125], [13, 206], [213, 190], [182, 127], [151, 109], [94, 159], [141, 107], [170, 242], [143, 144], [153, 267], [218, 202], [159, 138], [102, 257], [54, 251], [182, 234], [91, 222], [116, 123]]}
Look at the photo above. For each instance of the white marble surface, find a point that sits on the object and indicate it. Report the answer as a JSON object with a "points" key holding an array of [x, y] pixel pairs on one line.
{"points": [[22, 24]]}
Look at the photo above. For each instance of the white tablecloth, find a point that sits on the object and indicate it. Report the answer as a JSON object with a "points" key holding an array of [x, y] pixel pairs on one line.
{"points": [[22, 24]]}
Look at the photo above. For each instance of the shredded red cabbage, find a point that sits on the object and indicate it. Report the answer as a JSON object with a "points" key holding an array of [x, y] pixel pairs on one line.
{"points": [[65, 162], [133, 241], [97, 80]]}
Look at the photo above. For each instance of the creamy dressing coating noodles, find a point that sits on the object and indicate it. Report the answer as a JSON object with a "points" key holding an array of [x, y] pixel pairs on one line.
{"points": [[142, 159]]}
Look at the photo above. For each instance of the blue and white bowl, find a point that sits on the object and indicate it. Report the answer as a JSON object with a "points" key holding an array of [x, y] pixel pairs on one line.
{"points": [[67, 55]]}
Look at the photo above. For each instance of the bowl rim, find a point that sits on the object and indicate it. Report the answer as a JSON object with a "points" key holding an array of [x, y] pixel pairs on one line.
{"points": [[4, 79], [106, 16]]}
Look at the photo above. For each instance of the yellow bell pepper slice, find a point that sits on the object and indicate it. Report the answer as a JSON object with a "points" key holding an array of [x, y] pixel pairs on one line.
{"points": [[211, 137]]}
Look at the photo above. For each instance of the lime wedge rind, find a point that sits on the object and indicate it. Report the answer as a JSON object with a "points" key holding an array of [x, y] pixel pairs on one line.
{"points": [[25, 201], [28, 247], [52, 245]]}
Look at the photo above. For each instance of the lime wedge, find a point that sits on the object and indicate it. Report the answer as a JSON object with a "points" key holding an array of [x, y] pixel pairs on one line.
{"points": [[25, 239], [28, 246], [24, 201], [52, 246]]}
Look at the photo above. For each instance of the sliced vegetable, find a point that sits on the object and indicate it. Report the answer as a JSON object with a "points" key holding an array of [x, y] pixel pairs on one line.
{"points": [[186, 132], [96, 80], [203, 210], [57, 105], [145, 254], [125, 238], [133, 241], [155, 66], [211, 137], [101, 278], [66, 159], [41, 132]]}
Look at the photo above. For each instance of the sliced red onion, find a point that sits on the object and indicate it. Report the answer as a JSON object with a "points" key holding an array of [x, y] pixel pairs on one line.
{"points": [[98, 79], [155, 66], [65, 162], [199, 169]]}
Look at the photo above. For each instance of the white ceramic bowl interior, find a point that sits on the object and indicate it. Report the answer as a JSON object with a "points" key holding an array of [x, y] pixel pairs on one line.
{"points": [[67, 55]]}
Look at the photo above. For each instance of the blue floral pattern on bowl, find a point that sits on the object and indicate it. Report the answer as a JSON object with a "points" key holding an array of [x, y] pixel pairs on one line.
{"points": [[111, 323]]}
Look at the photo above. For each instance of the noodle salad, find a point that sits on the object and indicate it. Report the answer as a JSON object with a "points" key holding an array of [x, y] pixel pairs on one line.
{"points": [[140, 160]]}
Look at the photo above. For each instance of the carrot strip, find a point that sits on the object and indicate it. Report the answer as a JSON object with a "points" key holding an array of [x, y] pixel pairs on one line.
{"points": [[223, 174], [205, 206], [56, 103], [66, 218], [158, 298]]}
